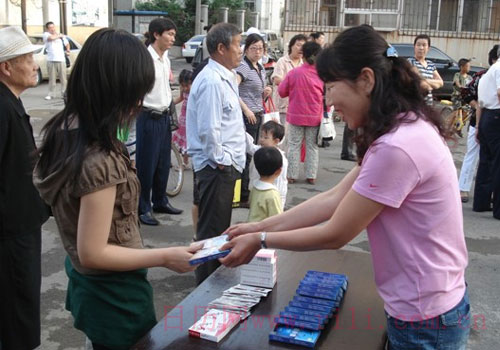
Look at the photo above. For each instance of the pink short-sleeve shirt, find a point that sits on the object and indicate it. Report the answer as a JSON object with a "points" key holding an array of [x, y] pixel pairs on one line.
{"points": [[417, 242]]}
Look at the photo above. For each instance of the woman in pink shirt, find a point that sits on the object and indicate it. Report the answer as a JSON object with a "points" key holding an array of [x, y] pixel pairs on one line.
{"points": [[305, 91], [404, 192]]}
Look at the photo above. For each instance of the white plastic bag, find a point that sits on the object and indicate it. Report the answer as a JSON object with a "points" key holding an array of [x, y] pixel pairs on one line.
{"points": [[326, 129], [270, 112]]}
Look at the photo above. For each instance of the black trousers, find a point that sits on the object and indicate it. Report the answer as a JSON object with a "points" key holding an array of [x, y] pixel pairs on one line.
{"points": [[20, 281], [488, 171], [153, 159], [347, 143], [216, 189], [254, 131]]}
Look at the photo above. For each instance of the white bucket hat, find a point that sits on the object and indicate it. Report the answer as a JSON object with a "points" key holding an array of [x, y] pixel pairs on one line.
{"points": [[14, 42]]}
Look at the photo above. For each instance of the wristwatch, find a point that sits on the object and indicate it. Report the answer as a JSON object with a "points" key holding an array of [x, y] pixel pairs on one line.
{"points": [[263, 244]]}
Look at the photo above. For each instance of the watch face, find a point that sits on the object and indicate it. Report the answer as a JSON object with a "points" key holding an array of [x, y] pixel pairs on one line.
{"points": [[263, 240]]}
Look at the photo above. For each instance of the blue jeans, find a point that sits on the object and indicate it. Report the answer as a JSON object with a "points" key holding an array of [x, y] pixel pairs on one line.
{"points": [[448, 331]]}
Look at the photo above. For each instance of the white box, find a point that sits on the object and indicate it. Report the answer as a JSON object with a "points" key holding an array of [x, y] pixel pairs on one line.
{"points": [[262, 270], [214, 325]]}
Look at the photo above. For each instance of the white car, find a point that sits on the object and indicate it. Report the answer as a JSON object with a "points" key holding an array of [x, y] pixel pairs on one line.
{"points": [[190, 46], [41, 56]]}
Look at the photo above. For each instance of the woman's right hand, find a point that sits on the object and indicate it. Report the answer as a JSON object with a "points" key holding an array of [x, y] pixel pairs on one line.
{"points": [[241, 229], [177, 258]]}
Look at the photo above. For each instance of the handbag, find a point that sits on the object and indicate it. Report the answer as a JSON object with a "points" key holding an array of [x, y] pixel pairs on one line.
{"points": [[326, 129], [270, 112], [68, 62]]}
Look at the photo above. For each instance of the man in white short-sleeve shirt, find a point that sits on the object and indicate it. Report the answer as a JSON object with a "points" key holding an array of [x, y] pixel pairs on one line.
{"points": [[487, 187], [57, 47]]}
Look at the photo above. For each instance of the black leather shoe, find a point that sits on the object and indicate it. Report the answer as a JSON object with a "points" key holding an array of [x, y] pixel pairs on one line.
{"points": [[350, 158], [148, 219], [168, 209]]}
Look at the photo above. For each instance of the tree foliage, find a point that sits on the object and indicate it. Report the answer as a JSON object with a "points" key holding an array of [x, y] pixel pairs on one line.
{"points": [[183, 19], [184, 15]]}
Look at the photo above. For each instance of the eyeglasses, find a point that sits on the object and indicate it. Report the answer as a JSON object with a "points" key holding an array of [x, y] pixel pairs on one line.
{"points": [[256, 49]]}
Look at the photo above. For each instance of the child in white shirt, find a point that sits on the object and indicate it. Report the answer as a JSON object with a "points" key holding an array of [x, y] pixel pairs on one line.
{"points": [[271, 134]]}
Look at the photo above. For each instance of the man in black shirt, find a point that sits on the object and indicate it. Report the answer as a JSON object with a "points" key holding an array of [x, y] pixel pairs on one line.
{"points": [[22, 212]]}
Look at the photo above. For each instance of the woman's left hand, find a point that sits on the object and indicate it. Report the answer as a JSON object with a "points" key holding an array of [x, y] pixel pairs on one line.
{"points": [[252, 119], [243, 249], [267, 92]]}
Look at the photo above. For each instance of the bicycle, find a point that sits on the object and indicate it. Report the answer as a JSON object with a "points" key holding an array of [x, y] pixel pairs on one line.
{"points": [[176, 174], [456, 119]]}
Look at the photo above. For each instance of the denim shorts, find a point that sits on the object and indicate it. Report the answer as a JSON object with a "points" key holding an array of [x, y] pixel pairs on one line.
{"points": [[448, 331]]}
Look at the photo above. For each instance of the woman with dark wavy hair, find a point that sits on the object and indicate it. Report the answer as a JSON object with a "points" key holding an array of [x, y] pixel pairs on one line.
{"points": [[86, 176], [404, 192]]}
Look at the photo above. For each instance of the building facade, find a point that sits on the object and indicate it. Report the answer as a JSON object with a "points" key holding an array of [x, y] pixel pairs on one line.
{"points": [[83, 17], [461, 28], [270, 13]]}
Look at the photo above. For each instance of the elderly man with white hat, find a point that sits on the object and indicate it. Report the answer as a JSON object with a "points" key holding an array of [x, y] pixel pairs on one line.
{"points": [[22, 212]]}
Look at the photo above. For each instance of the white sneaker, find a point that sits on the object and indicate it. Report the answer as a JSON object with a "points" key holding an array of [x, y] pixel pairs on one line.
{"points": [[48, 97]]}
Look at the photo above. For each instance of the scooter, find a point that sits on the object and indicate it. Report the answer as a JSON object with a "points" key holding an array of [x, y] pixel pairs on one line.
{"points": [[269, 62]]}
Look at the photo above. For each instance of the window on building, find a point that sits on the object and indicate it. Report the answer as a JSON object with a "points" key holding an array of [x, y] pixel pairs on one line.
{"points": [[329, 12], [302, 12], [444, 15], [381, 14], [494, 18], [250, 5], [477, 16]]}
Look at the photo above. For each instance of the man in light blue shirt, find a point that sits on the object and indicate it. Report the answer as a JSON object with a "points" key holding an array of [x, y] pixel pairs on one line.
{"points": [[216, 135]]}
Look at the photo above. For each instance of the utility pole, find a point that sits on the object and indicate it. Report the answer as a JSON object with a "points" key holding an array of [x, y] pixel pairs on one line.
{"points": [[62, 15], [23, 16], [111, 9], [197, 18], [45, 13]]}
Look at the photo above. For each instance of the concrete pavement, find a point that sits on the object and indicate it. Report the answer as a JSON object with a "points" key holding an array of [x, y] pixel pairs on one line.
{"points": [[481, 230]]}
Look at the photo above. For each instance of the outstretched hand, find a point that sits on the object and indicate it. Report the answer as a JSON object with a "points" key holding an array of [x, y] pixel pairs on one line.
{"points": [[243, 249], [240, 229], [177, 258]]}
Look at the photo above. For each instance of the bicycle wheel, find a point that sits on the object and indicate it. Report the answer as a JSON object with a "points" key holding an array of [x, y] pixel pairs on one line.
{"points": [[176, 175], [448, 115]]}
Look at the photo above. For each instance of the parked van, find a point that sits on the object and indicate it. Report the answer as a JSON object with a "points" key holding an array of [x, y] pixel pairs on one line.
{"points": [[273, 41]]}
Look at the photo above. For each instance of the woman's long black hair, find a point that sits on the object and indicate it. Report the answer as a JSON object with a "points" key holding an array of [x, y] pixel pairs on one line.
{"points": [[105, 90], [397, 86]]}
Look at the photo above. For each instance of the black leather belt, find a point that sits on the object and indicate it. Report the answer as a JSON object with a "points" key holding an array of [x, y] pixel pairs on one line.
{"points": [[155, 114]]}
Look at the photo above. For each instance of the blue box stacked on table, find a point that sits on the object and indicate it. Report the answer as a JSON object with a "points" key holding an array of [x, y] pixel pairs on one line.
{"points": [[317, 299]]}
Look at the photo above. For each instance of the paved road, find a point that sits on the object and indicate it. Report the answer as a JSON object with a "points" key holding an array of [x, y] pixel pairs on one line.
{"points": [[481, 230]]}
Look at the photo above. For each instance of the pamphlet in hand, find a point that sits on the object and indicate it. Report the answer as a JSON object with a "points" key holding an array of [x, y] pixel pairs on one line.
{"points": [[210, 250]]}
